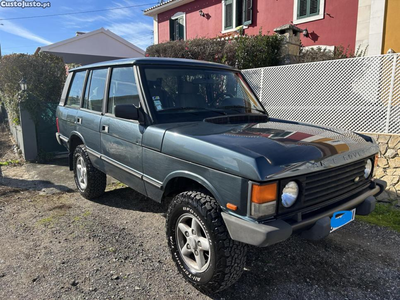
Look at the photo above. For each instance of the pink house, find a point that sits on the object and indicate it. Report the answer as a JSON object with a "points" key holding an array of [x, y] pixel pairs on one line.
{"points": [[328, 22]]}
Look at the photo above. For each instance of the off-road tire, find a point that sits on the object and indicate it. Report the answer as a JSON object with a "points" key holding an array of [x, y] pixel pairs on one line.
{"points": [[228, 257], [96, 180]]}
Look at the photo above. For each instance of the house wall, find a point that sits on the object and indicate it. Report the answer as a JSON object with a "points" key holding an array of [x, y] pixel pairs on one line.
{"points": [[338, 27], [391, 35]]}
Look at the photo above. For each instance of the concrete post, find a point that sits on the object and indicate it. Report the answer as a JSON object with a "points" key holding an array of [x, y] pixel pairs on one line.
{"points": [[292, 43], [28, 128]]}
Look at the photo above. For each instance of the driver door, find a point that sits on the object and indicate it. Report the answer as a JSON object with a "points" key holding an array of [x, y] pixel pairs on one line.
{"points": [[121, 140]]}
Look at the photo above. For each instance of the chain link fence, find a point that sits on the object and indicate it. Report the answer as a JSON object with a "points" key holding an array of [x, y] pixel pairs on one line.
{"points": [[360, 94]]}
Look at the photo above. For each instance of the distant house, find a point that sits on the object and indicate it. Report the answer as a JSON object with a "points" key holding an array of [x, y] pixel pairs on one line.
{"points": [[348, 23], [91, 47]]}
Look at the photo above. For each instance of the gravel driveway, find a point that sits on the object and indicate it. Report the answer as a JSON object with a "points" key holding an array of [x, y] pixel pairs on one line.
{"points": [[63, 246]]}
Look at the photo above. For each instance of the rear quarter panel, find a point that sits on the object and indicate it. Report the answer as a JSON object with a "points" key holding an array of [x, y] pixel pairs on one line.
{"points": [[66, 120]]}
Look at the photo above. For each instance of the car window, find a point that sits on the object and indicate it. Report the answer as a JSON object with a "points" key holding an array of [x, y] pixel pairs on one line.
{"points": [[75, 92], [123, 88], [94, 92], [188, 94]]}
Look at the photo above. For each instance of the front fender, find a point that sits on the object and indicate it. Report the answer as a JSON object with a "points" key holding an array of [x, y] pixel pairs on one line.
{"points": [[202, 181]]}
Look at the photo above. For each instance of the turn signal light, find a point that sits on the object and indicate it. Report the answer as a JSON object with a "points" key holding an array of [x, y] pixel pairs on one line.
{"points": [[264, 193], [231, 206]]}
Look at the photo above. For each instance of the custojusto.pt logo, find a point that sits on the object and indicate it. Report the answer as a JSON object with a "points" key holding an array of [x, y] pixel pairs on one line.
{"points": [[24, 4]]}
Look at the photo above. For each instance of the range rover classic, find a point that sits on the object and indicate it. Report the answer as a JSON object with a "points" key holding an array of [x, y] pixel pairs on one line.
{"points": [[193, 135]]}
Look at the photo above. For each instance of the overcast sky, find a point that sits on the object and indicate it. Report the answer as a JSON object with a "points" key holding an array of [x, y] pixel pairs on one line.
{"points": [[25, 35]]}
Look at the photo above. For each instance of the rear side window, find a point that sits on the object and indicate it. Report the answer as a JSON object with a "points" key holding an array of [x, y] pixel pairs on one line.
{"points": [[75, 92], [123, 88], [94, 92]]}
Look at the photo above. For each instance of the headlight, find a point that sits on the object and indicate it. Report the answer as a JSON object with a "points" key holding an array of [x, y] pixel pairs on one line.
{"points": [[289, 194], [368, 168]]}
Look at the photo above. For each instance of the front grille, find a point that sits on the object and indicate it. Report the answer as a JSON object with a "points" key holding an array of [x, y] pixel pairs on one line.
{"points": [[334, 183]]}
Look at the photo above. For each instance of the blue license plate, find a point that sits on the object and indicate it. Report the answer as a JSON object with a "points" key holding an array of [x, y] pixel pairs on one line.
{"points": [[341, 218]]}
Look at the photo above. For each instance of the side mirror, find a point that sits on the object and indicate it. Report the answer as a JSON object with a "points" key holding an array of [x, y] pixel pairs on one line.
{"points": [[126, 111]]}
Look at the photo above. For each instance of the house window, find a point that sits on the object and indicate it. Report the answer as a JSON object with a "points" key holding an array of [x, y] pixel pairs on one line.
{"points": [[236, 13], [308, 10], [177, 27]]}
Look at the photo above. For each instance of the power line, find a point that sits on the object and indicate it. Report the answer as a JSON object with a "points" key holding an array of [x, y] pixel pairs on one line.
{"points": [[78, 12]]}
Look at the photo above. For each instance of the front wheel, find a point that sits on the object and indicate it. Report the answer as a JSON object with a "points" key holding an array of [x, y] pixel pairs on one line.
{"points": [[200, 243]]}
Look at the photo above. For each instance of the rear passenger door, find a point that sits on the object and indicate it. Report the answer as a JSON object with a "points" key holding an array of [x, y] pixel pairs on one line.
{"points": [[121, 139], [90, 114]]}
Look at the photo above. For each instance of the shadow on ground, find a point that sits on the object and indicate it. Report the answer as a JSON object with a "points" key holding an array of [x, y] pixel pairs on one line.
{"points": [[126, 198], [348, 264]]}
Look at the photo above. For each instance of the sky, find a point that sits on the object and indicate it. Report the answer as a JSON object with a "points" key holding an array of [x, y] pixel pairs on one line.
{"points": [[25, 35]]}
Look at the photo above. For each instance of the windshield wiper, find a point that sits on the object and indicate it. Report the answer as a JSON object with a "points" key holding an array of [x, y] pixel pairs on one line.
{"points": [[193, 108], [239, 106]]}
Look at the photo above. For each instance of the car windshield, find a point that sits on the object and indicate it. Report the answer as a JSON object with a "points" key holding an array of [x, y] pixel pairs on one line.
{"points": [[192, 94]]}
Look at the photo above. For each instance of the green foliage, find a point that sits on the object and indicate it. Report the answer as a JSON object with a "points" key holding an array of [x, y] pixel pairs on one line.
{"points": [[13, 162], [258, 51], [45, 75], [384, 215], [242, 52], [321, 54]]}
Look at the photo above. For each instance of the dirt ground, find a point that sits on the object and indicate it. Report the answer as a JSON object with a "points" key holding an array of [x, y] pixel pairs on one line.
{"points": [[57, 245]]}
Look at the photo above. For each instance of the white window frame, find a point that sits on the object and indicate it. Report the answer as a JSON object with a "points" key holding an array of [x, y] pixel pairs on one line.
{"points": [[234, 17], [177, 16], [309, 19]]}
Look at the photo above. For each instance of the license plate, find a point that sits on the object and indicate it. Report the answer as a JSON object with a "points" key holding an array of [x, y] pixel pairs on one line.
{"points": [[341, 218]]}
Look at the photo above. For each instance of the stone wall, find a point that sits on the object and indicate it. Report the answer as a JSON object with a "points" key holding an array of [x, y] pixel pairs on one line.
{"points": [[389, 165]]}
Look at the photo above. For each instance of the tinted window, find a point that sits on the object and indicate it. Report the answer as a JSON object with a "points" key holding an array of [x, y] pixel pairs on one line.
{"points": [[192, 94], [123, 88], [94, 92], [75, 92]]}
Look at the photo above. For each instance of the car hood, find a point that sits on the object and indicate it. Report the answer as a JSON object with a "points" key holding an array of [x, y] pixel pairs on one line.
{"points": [[262, 151]]}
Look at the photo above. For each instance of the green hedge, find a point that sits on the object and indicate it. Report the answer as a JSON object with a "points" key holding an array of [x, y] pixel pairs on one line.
{"points": [[242, 52], [45, 75]]}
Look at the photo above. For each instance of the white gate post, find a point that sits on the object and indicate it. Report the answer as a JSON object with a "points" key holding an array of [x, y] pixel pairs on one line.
{"points": [[391, 93], [261, 85]]}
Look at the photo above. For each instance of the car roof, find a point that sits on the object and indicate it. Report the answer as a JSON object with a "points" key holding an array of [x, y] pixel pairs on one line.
{"points": [[154, 61]]}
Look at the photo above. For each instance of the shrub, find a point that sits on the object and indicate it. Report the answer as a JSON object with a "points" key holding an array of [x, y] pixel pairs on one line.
{"points": [[321, 54], [242, 52], [45, 75]]}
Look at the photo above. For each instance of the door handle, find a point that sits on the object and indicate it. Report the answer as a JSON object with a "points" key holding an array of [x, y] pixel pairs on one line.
{"points": [[78, 120], [104, 128]]}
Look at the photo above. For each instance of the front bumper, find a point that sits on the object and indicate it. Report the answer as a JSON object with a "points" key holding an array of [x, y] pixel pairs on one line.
{"points": [[314, 227]]}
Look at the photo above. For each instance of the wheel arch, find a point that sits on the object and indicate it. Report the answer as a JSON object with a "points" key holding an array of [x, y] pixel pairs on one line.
{"points": [[74, 141], [181, 181]]}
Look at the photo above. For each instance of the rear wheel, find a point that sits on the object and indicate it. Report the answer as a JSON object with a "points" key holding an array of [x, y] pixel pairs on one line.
{"points": [[90, 182], [200, 243]]}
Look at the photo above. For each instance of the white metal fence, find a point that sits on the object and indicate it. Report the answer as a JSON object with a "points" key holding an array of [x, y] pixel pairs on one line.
{"points": [[359, 94]]}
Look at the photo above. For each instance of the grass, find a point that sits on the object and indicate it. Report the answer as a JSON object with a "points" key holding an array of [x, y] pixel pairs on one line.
{"points": [[384, 215], [46, 221], [10, 162]]}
